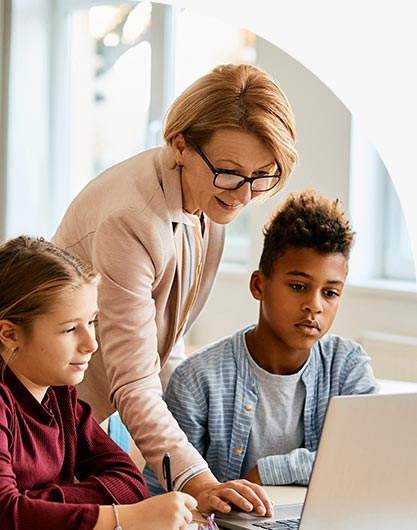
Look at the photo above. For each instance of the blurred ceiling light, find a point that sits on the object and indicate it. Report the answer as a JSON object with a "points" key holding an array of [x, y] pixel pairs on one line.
{"points": [[111, 40], [137, 22], [103, 19]]}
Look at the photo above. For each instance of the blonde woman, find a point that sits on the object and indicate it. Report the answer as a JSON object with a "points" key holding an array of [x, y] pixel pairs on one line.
{"points": [[153, 227]]}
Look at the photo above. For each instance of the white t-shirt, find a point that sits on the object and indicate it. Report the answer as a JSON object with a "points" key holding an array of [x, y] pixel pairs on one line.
{"points": [[278, 425]]}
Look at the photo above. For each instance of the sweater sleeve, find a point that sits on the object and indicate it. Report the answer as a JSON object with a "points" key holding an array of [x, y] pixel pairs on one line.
{"points": [[19, 510], [105, 472]]}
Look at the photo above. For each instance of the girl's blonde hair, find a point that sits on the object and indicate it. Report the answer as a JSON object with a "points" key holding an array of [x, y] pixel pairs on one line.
{"points": [[34, 275], [236, 96]]}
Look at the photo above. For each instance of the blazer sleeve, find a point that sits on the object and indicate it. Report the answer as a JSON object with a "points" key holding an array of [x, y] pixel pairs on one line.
{"points": [[188, 405], [134, 270]]}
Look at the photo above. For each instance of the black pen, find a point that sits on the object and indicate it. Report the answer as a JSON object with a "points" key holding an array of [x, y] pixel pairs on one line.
{"points": [[166, 467]]}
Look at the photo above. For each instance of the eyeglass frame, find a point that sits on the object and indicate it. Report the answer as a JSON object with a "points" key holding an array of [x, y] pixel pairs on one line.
{"points": [[218, 171]]}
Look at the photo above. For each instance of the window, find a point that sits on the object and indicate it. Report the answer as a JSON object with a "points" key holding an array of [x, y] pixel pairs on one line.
{"points": [[90, 82], [95, 78], [88, 101], [382, 250], [397, 257]]}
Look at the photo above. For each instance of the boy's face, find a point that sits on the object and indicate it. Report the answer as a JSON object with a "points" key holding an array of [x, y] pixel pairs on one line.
{"points": [[299, 299]]}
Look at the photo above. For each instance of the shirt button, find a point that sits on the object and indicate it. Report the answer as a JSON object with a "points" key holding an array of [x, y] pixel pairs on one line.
{"points": [[238, 450], [248, 408]]}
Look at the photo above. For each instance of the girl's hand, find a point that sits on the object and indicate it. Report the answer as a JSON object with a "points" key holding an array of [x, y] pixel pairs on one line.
{"points": [[171, 511]]}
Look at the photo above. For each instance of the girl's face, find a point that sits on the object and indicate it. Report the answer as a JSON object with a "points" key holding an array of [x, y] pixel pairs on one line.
{"points": [[60, 344], [230, 149]]}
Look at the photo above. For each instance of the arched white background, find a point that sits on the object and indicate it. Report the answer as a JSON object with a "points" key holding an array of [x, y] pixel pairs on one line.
{"points": [[365, 51]]}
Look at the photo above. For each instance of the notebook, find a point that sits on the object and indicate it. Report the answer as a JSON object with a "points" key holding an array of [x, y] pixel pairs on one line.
{"points": [[365, 473]]}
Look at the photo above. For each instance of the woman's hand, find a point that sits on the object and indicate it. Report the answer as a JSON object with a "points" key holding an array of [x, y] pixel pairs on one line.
{"points": [[214, 496]]}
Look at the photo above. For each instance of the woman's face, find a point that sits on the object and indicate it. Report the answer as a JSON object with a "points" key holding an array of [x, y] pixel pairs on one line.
{"points": [[229, 149]]}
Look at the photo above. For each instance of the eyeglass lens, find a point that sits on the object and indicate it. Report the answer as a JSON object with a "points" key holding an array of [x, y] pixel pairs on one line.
{"points": [[229, 181]]}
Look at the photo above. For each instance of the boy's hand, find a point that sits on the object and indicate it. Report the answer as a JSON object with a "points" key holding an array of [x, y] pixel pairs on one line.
{"points": [[212, 495]]}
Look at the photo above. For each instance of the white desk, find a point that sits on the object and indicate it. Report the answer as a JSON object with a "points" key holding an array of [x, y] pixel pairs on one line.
{"points": [[280, 495], [389, 386]]}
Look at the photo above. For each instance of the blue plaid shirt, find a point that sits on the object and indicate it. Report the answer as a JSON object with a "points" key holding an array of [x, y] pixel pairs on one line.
{"points": [[213, 396]]}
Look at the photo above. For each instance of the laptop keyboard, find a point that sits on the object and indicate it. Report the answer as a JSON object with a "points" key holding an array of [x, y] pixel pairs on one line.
{"points": [[288, 524]]}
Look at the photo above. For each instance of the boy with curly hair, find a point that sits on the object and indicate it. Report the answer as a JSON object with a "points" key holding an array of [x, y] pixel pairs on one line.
{"points": [[253, 404]]}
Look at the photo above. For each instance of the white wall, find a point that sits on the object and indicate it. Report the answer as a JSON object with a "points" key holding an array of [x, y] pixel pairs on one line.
{"points": [[323, 131]]}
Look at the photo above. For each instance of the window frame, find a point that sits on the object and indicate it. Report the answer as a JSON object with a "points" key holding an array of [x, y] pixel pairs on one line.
{"points": [[398, 258], [5, 34]]}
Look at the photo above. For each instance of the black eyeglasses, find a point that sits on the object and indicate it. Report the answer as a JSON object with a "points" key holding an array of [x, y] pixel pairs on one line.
{"points": [[226, 179]]}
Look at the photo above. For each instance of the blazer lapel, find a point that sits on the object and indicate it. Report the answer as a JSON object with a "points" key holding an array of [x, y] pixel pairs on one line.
{"points": [[171, 185]]}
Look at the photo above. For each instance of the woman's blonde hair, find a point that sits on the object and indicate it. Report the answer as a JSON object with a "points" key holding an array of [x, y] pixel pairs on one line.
{"points": [[35, 275], [236, 96]]}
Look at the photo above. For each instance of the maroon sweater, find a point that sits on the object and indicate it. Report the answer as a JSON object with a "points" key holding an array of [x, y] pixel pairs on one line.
{"points": [[43, 447]]}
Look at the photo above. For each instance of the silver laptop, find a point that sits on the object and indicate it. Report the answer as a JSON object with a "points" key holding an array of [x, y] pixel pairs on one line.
{"points": [[365, 473]]}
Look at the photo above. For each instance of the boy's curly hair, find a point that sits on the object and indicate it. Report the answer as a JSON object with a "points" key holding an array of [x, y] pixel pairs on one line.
{"points": [[306, 219]]}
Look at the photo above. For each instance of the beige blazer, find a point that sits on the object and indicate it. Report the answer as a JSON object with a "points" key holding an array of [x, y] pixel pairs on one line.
{"points": [[127, 224]]}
